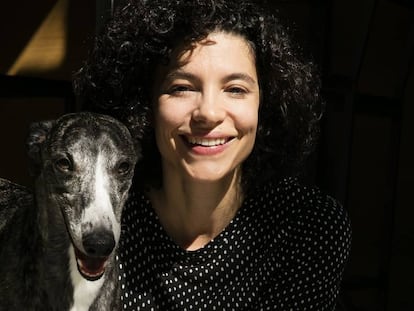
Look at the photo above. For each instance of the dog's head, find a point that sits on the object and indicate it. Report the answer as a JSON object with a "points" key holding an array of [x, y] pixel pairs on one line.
{"points": [[83, 165]]}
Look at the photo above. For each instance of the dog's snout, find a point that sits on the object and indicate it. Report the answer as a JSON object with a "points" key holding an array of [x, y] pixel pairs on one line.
{"points": [[98, 244]]}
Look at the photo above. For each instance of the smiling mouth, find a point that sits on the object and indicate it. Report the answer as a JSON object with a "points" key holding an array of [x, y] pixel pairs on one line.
{"points": [[206, 142], [91, 268]]}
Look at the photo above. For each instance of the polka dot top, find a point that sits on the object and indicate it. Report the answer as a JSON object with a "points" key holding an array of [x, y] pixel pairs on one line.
{"points": [[285, 250]]}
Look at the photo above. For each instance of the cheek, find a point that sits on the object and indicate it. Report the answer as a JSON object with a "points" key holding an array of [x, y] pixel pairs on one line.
{"points": [[163, 122], [169, 115], [247, 120], [167, 120]]}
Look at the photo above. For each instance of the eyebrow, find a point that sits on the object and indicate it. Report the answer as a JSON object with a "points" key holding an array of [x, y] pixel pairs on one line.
{"points": [[180, 74], [240, 76]]}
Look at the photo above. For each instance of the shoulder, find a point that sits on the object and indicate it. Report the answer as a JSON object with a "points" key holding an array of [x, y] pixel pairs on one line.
{"points": [[304, 206], [308, 222], [12, 193], [314, 227], [137, 199], [312, 239], [12, 197], [137, 209]]}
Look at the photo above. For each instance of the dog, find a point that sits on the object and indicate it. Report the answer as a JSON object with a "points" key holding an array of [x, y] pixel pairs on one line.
{"points": [[58, 245]]}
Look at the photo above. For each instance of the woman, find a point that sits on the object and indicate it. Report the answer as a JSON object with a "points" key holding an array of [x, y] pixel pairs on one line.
{"points": [[226, 113]]}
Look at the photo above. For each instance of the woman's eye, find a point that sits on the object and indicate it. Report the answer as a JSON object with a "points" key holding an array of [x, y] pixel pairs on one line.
{"points": [[178, 89], [235, 90]]}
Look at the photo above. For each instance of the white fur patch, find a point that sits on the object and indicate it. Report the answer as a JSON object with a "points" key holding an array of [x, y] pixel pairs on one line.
{"points": [[100, 211], [84, 291]]}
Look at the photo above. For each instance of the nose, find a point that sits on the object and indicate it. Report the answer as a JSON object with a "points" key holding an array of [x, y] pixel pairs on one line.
{"points": [[99, 243], [209, 109]]}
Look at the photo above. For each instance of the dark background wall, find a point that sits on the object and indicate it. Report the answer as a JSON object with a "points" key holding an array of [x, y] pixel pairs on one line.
{"points": [[365, 50]]}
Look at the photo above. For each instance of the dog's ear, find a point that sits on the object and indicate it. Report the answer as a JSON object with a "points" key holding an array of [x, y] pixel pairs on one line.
{"points": [[38, 132]]}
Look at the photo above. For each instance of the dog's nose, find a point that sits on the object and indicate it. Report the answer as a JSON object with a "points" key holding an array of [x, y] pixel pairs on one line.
{"points": [[99, 243]]}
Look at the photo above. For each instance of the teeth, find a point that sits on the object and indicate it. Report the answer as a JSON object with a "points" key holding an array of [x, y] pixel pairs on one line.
{"points": [[206, 142]]}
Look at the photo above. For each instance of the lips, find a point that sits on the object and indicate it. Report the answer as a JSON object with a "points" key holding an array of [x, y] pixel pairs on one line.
{"points": [[206, 146], [206, 142], [91, 268]]}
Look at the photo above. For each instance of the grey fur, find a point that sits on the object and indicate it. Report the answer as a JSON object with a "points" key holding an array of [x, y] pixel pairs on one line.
{"points": [[37, 229]]}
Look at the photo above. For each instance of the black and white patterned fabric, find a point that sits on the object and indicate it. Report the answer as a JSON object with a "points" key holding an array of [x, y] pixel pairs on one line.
{"points": [[285, 250]]}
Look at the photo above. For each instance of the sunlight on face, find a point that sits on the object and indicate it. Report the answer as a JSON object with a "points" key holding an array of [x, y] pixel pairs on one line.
{"points": [[206, 108]]}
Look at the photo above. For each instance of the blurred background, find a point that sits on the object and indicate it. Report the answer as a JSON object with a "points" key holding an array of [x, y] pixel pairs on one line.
{"points": [[365, 50]]}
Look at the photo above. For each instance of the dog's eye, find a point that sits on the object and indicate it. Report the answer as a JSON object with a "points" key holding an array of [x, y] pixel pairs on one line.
{"points": [[123, 168], [64, 165]]}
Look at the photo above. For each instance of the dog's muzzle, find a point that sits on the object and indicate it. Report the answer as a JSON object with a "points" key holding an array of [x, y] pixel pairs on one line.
{"points": [[97, 246]]}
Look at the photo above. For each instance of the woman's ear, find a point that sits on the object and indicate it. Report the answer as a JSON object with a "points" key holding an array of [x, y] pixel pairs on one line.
{"points": [[38, 132]]}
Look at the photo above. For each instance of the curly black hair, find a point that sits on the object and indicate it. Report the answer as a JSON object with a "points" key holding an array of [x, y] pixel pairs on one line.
{"points": [[117, 78]]}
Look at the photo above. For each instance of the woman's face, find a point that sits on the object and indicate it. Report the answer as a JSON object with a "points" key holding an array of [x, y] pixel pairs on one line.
{"points": [[206, 108]]}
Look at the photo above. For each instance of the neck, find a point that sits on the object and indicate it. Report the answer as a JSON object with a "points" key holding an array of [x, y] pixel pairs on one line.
{"points": [[194, 213]]}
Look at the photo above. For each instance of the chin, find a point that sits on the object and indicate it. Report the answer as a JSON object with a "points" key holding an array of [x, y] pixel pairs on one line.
{"points": [[211, 174]]}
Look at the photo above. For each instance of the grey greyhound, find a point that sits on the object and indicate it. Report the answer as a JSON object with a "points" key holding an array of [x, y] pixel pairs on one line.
{"points": [[58, 245]]}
